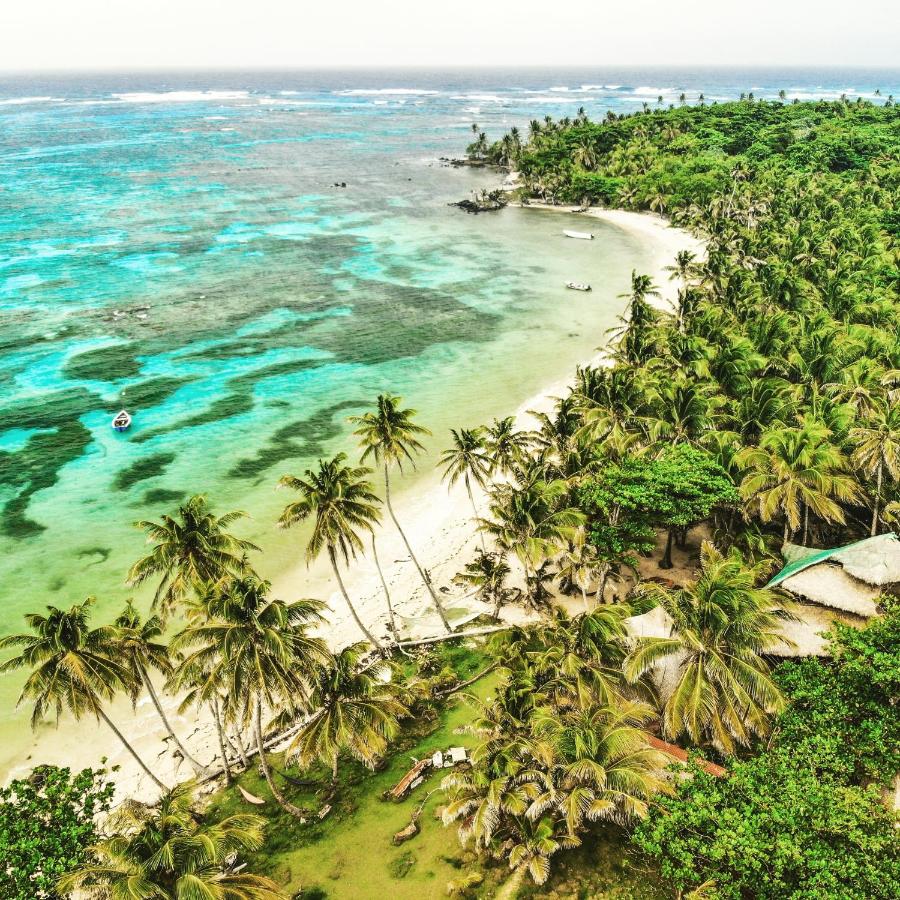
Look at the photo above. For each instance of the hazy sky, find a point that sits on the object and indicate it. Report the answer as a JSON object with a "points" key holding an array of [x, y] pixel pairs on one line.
{"points": [[124, 34]]}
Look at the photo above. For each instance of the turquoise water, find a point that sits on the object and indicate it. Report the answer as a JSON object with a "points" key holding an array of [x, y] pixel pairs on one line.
{"points": [[177, 245]]}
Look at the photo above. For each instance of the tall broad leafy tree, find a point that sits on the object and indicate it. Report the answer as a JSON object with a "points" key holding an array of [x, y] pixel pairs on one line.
{"points": [[722, 627], [391, 437], [169, 852], [341, 503], [354, 708], [257, 651], [191, 549], [467, 459], [71, 670], [48, 820], [135, 644]]}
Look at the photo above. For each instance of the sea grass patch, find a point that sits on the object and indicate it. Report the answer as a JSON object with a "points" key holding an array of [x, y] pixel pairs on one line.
{"points": [[34, 468], [142, 469], [111, 363]]}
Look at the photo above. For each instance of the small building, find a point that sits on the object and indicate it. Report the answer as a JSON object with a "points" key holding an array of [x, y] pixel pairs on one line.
{"points": [[842, 584]]}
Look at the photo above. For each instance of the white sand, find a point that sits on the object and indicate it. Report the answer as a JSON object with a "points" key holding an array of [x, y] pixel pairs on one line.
{"points": [[438, 523]]}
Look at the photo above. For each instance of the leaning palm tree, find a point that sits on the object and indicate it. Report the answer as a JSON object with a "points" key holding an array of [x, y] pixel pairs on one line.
{"points": [[342, 503], [255, 650], [877, 450], [168, 852], [355, 709], [71, 669], [722, 626], [467, 459], [135, 645], [390, 436], [191, 549]]}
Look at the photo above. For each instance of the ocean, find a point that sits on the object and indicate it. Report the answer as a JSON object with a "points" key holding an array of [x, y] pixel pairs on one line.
{"points": [[242, 260]]}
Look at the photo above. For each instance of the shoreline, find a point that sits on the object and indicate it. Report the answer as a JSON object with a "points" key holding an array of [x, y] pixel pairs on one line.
{"points": [[438, 522]]}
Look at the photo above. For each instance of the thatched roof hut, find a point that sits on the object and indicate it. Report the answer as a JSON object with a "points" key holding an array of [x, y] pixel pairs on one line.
{"points": [[847, 578]]}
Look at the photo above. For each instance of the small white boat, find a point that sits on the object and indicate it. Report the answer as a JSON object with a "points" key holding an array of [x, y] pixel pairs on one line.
{"points": [[577, 286], [580, 235], [122, 421]]}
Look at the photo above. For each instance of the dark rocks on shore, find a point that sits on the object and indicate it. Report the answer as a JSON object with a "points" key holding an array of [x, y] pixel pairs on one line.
{"points": [[485, 201]]}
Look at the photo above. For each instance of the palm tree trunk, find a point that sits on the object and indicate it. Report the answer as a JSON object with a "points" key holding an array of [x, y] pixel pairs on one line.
{"points": [[264, 765], [787, 526], [334, 767], [369, 636], [220, 732], [497, 604], [148, 684], [387, 593], [666, 561], [584, 598], [412, 556], [130, 749], [242, 750], [475, 511], [805, 523], [874, 528], [601, 598]]}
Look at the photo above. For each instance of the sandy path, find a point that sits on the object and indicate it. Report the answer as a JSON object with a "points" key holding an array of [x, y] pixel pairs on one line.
{"points": [[439, 525]]}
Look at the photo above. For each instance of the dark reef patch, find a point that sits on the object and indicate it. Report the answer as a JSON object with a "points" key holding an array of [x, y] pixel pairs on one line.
{"points": [[163, 495], [111, 363], [36, 467], [302, 438], [141, 470], [102, 554], [152, 392]]}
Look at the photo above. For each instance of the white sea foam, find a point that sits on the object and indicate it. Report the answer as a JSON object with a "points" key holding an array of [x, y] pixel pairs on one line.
{"points": [[24, 101], [364, 92], [481, 98], [655, 91], [554, 99], [179, 96]]}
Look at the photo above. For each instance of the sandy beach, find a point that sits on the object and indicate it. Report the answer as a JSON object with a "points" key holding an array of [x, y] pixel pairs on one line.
{"points": [[438, 522]]}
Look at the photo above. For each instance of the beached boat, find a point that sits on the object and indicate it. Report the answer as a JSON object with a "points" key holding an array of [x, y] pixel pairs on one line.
{"points": [[122, 421], [580, 235], [577, 286]]}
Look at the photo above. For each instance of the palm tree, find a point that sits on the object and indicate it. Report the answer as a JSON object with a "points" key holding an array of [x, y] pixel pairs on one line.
{"points": [[722, 626], [532, 521], [467, 459], [504, 445], [342, 503], [580, 565], [189, 551], [135, 645], [876, 449], [355, 710], [254, 649], [488, 573], [70, 669], [792, 471], [167, 852], [390, 436]]}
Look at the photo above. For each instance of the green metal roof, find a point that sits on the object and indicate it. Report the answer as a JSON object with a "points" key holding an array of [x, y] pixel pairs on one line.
{"points": [[803, 557]]}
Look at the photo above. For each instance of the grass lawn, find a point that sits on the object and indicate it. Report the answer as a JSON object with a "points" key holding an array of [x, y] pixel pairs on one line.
{"points": [[350, 855]]}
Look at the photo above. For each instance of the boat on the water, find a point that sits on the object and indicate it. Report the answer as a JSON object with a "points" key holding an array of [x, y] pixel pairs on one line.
{"points": [[122, 421], [580, 235], [577, 286]]}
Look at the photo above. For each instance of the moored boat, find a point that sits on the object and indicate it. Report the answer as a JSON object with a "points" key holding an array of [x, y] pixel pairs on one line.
{"points": [[577, 286], [122, 421], [580, 235]]}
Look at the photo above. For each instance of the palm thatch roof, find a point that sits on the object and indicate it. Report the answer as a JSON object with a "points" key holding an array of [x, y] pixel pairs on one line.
{"points": [[847, 578]]}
